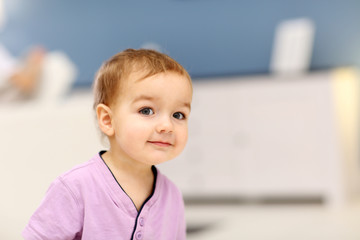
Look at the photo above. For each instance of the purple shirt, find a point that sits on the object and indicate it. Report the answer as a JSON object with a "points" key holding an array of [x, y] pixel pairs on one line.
{"points": [[88, 203]]}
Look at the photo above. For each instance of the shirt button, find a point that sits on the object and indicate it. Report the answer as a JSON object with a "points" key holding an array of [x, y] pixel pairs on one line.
{"points": [[141, 221], [139, 235]]}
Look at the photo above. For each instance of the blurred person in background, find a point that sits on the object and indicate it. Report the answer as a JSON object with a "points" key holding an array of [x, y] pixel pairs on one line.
{"points": [[19, 78], [39, 75]]}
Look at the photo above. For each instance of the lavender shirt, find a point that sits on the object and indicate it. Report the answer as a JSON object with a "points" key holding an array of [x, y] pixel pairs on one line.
{"points": [[88, 203]]}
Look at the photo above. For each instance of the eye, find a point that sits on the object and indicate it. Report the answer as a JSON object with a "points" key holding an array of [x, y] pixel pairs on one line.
{"points": [[146, 111], [179, 115]]}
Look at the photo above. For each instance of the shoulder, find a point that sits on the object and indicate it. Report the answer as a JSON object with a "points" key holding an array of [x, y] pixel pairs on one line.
{"points": [[168, 188], [170, 205], [76, 179], [79, 172], [60, 214]]}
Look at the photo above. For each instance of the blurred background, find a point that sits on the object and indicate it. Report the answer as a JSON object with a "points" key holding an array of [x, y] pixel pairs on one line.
{"points": [[273, 151], [210, 38]]}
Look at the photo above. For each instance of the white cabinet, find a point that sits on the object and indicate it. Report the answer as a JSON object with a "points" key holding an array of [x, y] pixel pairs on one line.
{"points": [[261, 137], [250, 137]]}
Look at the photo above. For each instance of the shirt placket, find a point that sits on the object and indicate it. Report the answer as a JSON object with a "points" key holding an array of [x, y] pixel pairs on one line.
{"points": [[140, 224]]}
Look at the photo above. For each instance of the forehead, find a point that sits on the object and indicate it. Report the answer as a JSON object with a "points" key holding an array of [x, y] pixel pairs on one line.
{"points": [[137, 79], [162, 85]]}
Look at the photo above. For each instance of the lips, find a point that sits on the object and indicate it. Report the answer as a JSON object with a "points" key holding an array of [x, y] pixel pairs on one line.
{"points": [[160, 143]]}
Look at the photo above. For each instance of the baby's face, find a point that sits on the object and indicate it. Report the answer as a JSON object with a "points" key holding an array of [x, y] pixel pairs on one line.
{"points": [[150, 118]]}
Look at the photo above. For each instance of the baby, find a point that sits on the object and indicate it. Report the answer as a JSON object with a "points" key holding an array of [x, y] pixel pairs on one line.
{"points": [[142, 104]]}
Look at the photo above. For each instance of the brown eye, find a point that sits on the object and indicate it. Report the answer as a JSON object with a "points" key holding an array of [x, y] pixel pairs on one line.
{"points": [[178, 115]]}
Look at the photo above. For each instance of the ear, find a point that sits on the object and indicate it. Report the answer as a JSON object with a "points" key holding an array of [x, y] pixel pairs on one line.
{"points": [[104, 117]]}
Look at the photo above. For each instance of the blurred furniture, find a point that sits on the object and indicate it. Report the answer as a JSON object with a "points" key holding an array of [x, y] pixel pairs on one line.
{"points": [[250, 137], [271, 137]]}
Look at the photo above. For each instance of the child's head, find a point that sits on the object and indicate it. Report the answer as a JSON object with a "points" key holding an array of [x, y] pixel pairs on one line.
{"points": [[142, 101], [117, 70]]}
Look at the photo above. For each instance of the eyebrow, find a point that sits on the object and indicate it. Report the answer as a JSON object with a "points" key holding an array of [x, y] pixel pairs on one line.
{"points": [[188, 105], [143, 97], [149, 98]]}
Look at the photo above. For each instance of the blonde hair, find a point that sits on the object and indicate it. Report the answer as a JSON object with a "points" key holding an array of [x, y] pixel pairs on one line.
{"points": [[117, 69]]}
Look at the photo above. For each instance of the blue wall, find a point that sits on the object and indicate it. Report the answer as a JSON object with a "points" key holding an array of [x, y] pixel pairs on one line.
{"points": [[210, 38]]}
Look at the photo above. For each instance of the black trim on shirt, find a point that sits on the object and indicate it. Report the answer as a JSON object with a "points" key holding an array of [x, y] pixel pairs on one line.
{"points": [[154, 170]]}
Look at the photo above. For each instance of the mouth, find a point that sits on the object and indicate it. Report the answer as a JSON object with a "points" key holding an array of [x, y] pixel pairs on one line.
{"points": [[160, 143]]}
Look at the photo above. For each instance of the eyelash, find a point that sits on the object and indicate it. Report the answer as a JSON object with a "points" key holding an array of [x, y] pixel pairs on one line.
{"points": [[142, 111]]}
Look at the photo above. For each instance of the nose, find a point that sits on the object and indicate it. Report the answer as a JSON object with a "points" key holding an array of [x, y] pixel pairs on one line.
{"points": [[164, 125]]}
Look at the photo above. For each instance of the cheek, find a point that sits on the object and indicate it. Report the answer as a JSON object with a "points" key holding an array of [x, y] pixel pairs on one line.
{"points": [[132, 140], [136, 130], [131, 130], [182, 137]]}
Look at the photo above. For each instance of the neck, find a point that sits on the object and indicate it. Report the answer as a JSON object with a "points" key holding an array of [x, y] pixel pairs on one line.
{"points": [[135, 178], [127, 167]]}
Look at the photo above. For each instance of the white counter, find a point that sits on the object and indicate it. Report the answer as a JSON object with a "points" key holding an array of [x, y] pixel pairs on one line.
{"points": [[249, 137], [274, 222]]}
